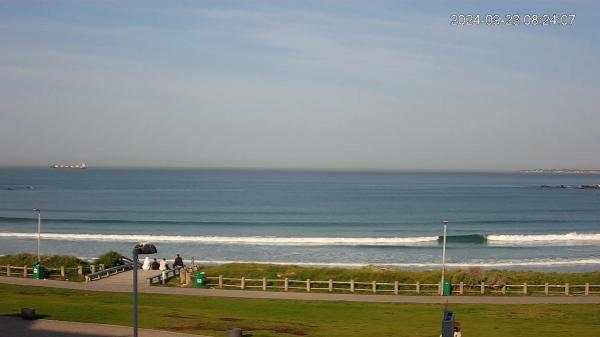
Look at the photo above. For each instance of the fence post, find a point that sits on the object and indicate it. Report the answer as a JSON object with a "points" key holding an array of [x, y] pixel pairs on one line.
{"points": [[440, 289], [188, 276], [461, 288], [24, 271], [93, 268], [587, 289], [307, 285], [182, 276], [330, 285], [567, 289], [396, 287], [482, 288], [418, 287], [220, 281], [504, 289], [264, 285], [243, 283], [8, 270], [351, 286], [374, 287], [525, 288], [62, 271], [286, 284], [546, 289]]}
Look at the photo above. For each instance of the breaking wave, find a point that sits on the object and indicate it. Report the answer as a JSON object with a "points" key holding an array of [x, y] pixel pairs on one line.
{"points": [[544, 238], [494, 239], [233, 240]]}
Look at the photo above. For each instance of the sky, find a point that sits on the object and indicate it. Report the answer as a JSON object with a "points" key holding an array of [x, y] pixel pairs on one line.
{"points": [[388, 85]]}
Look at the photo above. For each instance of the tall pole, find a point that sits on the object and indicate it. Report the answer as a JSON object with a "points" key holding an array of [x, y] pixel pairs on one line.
{"points": [[39, 231], [443, 258], [135, 293]]}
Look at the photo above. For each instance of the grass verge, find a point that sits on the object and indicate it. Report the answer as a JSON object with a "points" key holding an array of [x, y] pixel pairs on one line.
{"points": [[283, 318]]}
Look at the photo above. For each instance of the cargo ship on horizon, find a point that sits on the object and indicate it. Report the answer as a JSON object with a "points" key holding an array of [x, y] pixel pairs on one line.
{"points": [[81, 166]]}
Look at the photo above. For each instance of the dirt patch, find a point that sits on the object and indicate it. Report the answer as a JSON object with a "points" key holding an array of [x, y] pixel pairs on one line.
{"points": [[179, 316], [246, 328], [290, 331], [525, 314], [230, 319]]}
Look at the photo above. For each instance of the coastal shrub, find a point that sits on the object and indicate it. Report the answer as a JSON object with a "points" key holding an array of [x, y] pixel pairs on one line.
{"points": [[379, 274], [110, 259], [52, 261]]}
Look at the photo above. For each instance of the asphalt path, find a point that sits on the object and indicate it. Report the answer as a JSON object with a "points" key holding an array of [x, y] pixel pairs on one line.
{"points": [[14, 326], [123, 283]]}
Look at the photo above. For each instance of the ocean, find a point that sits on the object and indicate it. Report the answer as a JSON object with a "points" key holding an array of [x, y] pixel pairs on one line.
{"points": [[347, 219]]}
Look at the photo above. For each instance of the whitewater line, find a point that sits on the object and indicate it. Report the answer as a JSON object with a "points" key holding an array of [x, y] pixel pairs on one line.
{"points": [[544, 237], [492, 239], [249, 240]]}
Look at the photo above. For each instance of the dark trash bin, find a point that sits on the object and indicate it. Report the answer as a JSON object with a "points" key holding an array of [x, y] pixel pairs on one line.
{"points": [[28, 313], [448, 324]]}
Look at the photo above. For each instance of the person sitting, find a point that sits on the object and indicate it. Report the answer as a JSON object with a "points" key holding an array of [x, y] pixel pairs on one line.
{"points": [[163, 265], [155, 265], [146, 265], [178, 261]]}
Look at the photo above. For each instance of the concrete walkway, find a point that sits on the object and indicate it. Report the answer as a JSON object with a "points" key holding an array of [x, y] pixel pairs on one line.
{"points": [[122, 283], [13, 327]]}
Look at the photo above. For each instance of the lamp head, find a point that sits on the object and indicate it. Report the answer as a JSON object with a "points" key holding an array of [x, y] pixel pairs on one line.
{"points": [[36, 210], [145, 248]]}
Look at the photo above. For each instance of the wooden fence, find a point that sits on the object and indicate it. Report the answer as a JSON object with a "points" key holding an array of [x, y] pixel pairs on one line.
{"points": [[104, 273], [164, 276], [61, 272], [398, 288]]}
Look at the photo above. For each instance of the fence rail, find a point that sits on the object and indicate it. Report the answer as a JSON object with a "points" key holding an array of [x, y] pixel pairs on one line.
{"points": [[61, 272], [164, 276], [398, 288], [103, 273]]}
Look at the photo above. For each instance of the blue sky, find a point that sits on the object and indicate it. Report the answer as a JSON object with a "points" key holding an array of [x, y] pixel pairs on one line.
{"points": [[290, 84]]}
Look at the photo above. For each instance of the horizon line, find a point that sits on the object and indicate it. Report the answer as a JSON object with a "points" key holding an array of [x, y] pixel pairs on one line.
{"points": [[296, 169]]}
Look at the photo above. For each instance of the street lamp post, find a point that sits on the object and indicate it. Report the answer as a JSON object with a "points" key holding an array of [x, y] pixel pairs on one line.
{"points": [[443, 258], [39, 234], [139, 249]]}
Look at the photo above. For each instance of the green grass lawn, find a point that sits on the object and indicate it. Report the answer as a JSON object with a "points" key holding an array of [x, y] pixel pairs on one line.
{"points": [[212, 316]]}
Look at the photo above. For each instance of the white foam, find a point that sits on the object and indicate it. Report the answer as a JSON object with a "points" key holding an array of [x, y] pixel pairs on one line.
{"points": [[545, 238], [233, 240]]}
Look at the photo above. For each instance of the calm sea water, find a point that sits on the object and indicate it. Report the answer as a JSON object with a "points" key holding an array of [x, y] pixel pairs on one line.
{"points": [[328, 218]]}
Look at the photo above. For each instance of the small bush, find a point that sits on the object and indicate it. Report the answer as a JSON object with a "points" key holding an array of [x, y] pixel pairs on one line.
{"points": [[110, 259]]}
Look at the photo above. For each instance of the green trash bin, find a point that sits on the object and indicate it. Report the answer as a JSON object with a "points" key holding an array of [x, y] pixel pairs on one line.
{"points": [[447, 288], [199, 280], [38, 271]]}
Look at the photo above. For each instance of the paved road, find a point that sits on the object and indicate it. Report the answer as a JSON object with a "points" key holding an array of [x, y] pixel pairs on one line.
{"points": [[122, 283], [13, 327]]}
